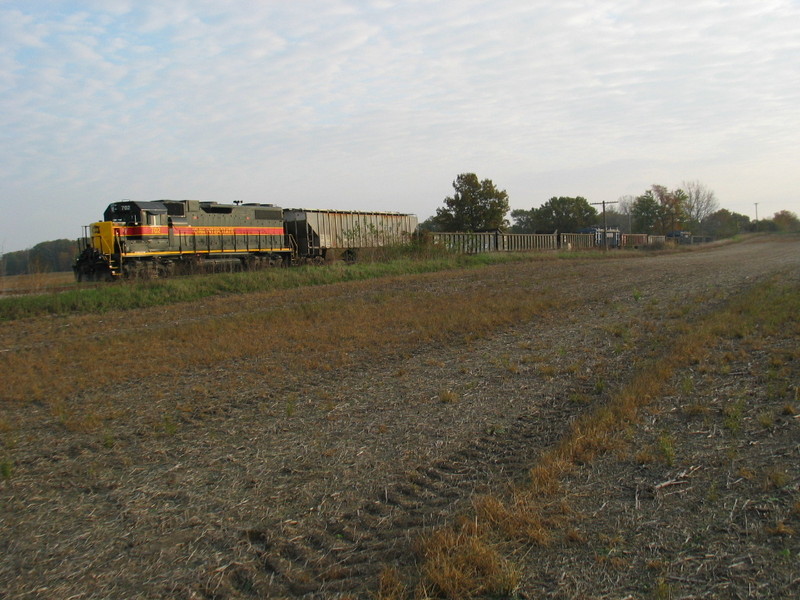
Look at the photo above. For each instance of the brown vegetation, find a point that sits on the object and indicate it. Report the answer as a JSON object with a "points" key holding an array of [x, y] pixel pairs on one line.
{"points": [[587, 428]]}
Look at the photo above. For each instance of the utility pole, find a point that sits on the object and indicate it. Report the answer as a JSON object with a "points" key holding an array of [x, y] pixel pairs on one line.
{"points": [[756, 216], [605, 224]]}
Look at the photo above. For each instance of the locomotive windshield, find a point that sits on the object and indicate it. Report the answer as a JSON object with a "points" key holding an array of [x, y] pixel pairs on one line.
{"points": [[123, 212], [130, 213]]}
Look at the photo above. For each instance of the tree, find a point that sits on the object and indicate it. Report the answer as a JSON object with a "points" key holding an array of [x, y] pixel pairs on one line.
{"points": [[724, 223], [429, 224], [786, 221], [625, 207], [660, 210], [563, 214], [646, 214], [616, 219], [475, 206], [700, 202], [524, 221], [672, 212], [52, 256]]}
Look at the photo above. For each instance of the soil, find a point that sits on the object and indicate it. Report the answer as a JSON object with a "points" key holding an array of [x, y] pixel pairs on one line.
{"points": [[308, 487]]}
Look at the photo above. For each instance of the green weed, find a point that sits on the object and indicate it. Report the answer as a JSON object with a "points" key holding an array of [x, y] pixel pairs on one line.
{"points": [[733, 416], [291, 405], [666, 446], [169, 425]]}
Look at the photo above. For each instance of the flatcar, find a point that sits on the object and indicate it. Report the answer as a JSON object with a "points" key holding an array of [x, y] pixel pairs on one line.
{"points": [[164, 237]]}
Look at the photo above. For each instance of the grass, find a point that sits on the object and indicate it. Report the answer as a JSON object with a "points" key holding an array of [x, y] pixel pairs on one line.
{"points": [[132, 294], [86, 355], [6, 469], [127, 295]]}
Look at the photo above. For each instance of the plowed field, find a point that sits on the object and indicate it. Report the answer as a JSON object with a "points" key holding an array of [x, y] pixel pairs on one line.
{"points": [[304, 465]]}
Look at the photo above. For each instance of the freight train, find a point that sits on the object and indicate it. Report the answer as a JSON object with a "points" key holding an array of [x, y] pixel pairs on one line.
{"points": [[165, 237]]}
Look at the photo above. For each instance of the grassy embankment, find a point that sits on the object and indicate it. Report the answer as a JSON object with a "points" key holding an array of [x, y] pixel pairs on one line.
{"points": [[126, 295]]}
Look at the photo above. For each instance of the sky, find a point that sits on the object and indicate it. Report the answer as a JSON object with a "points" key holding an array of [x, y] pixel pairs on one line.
{"points": [[380, 104]]}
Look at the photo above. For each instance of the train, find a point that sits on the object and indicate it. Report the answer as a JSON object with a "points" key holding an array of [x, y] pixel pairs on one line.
{"points": [[165, 237]]}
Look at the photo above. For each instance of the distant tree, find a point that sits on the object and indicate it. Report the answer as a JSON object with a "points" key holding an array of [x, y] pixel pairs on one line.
{"points": [[429, 224], [764, 226], [615, 219], [524, 221], [786, 221], [15, 263], [673, 207], [646, 213], [475, 206], [625, 207], [724, 223], [700, 202], [46, 257], [563, 214], [660, 210]]}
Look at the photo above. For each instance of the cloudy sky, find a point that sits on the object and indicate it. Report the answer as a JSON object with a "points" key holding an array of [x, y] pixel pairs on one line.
{"points": [[380, 104]]}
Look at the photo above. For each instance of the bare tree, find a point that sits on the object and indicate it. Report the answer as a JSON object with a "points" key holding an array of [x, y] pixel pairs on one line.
{"points": [[625, 207], [700, 201]]}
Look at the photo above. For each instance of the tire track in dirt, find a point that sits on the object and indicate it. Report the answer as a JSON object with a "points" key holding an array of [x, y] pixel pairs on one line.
{"points": [[343, 557], [319, 558]]}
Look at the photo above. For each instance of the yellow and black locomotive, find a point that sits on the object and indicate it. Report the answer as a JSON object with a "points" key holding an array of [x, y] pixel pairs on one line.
{"points": [[155, 239], [158, 238]]}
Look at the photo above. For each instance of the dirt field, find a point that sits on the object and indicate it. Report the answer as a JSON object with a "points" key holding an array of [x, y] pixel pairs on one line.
{"points": [[303, 475]]}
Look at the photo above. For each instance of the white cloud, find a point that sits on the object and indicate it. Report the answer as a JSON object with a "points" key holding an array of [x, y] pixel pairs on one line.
{"points": [[357, 104]]}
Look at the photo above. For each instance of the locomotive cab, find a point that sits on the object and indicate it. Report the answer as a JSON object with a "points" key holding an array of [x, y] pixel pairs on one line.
{"points": [[135, 213]]}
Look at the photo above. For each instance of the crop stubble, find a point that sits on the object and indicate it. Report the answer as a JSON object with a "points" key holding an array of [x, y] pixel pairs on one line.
{"points": [[281, 474]]}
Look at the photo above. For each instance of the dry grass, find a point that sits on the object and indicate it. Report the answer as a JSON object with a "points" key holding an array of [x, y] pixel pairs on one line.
{"points": [[35, 282], [85, 357], [519, 518], [460, 563]]}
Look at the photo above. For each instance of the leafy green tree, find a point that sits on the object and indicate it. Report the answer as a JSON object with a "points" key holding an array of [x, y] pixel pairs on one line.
{"points": [[786, 221], [429, 224], [659, 210], [615, 219], [724, 223], [45, 257], [475, 206], [673, 207], [563, 214], [646, 213], [524, 221], [764, 226]]}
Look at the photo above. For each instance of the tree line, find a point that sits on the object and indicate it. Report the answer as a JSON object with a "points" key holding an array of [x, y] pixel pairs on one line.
{"points": [[479, 205], [46, 257]]}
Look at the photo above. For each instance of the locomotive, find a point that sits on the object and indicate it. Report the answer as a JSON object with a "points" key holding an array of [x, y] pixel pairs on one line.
{"points": [[165, 237]]}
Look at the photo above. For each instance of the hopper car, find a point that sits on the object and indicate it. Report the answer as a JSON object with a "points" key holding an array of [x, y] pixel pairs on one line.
{"points": [[165, 237]]}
